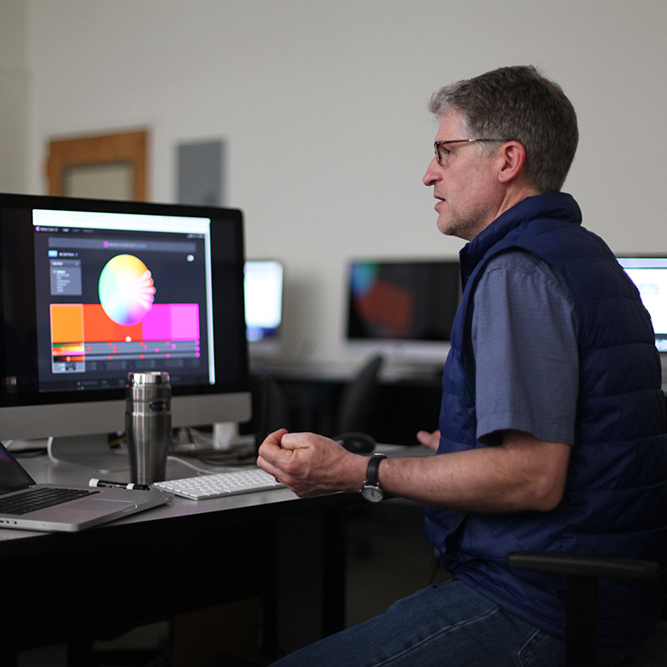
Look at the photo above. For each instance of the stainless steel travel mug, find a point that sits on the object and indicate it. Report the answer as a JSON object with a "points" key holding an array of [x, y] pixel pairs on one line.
{"points": [[148, 425]]}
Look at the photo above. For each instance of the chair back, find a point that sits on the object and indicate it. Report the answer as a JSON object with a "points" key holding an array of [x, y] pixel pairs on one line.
{"points": [[358, 398], [270, 408]]}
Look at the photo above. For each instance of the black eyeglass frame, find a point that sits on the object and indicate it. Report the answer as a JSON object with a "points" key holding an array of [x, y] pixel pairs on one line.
{"points": [[437, 144]]}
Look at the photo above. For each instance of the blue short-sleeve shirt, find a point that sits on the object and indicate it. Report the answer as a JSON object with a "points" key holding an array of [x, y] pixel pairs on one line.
{"points": [[524, 335]]}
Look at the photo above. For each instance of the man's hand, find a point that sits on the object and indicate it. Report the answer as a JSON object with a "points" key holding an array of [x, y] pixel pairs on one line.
{"points": [[310, 464], [430, 440]]}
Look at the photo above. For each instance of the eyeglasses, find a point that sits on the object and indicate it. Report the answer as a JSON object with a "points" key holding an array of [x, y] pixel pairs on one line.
{"points": [[442, 152]]}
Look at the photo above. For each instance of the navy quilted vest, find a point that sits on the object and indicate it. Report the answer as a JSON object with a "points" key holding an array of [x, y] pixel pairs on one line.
{"points": [[615, 500]]}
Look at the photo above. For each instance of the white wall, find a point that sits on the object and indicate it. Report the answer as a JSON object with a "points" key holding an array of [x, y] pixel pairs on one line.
{"points": [[323, 107], [13, 95]]}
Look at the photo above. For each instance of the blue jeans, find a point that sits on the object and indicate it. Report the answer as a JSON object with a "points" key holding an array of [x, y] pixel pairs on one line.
{"points": [[449, 625]]}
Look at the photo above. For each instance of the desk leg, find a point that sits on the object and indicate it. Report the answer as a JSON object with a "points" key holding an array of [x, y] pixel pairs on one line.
{"points": [[305, 586]]}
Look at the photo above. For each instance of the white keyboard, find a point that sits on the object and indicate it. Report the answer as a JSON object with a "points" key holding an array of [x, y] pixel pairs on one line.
{"points": [[219, 484]]}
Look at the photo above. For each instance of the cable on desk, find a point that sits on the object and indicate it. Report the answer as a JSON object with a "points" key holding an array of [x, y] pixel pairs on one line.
{"points": [[187, 464], [204, 471], [25, 452], [244, 455], [29, 452]]}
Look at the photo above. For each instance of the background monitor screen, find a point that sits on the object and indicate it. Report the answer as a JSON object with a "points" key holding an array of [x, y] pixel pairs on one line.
{"points": [[649, 274], [263, 304], [403, 303], [91, 290]]}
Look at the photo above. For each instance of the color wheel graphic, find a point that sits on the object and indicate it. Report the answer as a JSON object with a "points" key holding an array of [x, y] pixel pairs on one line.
{"points": [[126, 290]]}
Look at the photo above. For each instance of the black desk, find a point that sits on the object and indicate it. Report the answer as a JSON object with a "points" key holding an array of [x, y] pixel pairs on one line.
{"points": [[174, 559]]}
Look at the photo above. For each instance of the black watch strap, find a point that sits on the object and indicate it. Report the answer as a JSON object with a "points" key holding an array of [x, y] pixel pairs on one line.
{"points": [[371, 489], [373, 470]]}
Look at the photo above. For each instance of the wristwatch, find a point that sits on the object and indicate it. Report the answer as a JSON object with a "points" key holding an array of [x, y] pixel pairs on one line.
{"points": [[371, 489]]}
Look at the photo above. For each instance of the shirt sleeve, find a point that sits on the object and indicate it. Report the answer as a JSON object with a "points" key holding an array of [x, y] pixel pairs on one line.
{"points": [[524, 336]]}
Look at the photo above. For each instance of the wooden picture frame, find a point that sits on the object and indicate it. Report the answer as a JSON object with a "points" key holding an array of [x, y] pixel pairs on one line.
{"points": [[104, 166]]}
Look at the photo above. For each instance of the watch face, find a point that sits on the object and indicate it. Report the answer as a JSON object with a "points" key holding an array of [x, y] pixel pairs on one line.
{"points": [[372, 494]]}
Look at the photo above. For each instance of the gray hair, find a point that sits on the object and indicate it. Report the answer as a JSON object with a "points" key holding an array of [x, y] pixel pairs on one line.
{"points": [[518, 103]]}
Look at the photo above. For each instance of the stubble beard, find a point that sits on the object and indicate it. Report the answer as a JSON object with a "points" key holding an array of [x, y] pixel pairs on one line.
{"points": [[461, 226], [465, 224]]}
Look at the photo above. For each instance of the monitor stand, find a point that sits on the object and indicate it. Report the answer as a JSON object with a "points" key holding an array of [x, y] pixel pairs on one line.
{"points": [[87, 451]]}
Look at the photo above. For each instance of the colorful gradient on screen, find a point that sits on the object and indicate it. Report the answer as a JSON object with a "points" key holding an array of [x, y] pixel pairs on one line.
{"points": [[126, 290]]}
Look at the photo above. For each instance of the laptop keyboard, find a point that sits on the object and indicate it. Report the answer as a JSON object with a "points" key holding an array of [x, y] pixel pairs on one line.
{"points": [[220, 484], [38, 499]]}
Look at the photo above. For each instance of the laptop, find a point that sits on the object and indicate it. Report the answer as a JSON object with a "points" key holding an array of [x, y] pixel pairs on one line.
{"points": [[27, 505]]}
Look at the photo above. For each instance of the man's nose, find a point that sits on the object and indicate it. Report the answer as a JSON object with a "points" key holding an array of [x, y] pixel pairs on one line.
{"points": [[431, 175]]}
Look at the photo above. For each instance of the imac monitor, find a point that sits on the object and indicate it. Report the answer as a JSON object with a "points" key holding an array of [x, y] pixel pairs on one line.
{"points": [[404, 309], [649, 274], [263, 306], [91, 290]]}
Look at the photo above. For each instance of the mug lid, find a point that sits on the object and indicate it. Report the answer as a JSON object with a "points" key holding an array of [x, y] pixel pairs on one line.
{"points": [[148, 377]]}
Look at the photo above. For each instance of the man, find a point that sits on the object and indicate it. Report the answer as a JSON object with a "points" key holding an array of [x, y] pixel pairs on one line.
{"points": [[552, 426]]}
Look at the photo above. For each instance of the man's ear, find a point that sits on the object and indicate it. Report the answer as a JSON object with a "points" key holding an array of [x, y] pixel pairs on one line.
{"points": [[512, 158]]}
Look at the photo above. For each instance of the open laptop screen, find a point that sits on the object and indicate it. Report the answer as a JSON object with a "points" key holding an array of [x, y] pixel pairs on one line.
{"points": [[12, 476]]}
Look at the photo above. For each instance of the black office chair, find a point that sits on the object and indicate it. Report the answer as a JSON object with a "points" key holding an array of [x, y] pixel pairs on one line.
{"points": [[270, 408], [582, 572], [358, 398]]}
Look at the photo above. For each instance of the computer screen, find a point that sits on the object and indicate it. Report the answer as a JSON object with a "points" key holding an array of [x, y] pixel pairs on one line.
{"points": [[91, 290], [263, 306], [649, 274], [403, 309]]}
